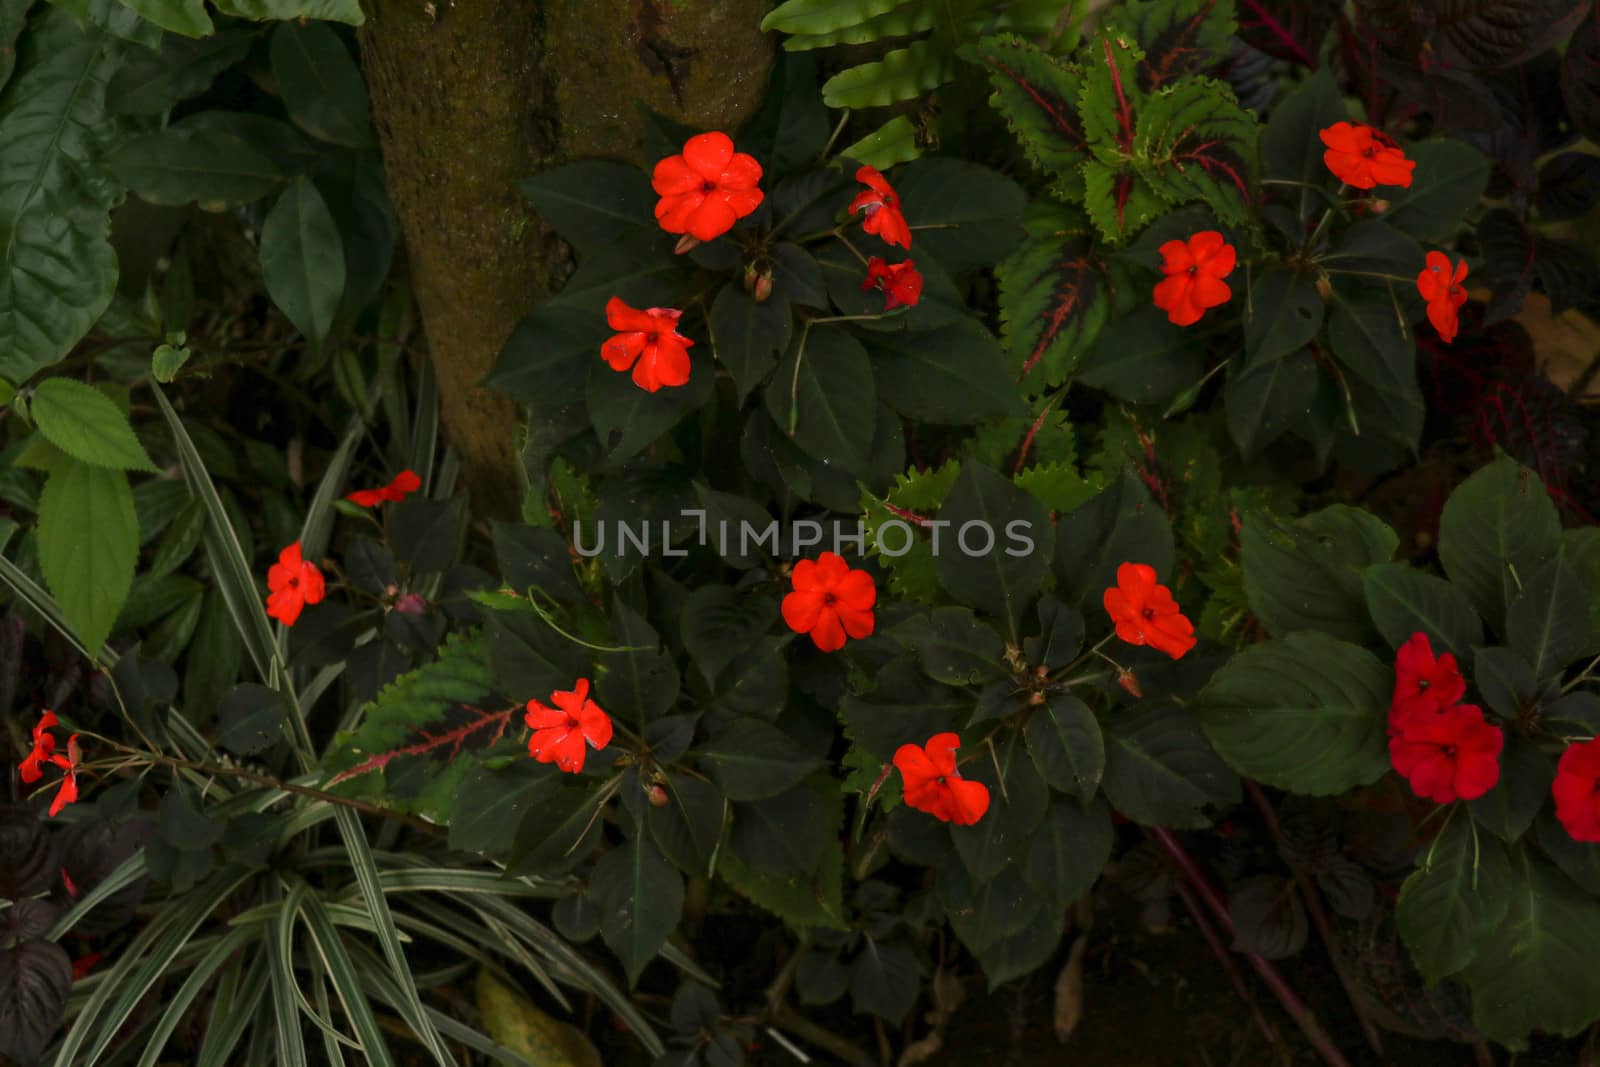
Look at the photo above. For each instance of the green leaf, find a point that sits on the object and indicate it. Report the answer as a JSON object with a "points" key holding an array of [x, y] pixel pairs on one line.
{"points": [[901, 74], [690, 825], [1065, 743], [966, 216], [1292, 148], [1024, 951], [1159, 769], [1581, 548], [1508, 809], [59, 270], [1053, 298], [1068, 850], [347, 11], [823, 394], [1548, 622], [907, 708], [1307, 574], [1017, 802], [1268, 399], [321, 85], [953, 646], [1373, 245], [302, 259], [720, 624], [1448, 183], [788, 132], [1284, 314], [1454, 899], [1038, 95], [594, 202], [1306, 713], [998, 547], [1122, 524], [13, 16], [955, 375], [87, 425], [251, 719], [985, 910], [800, 901], [88, 545], [1498, 526], [187, 17], [642, 682], [752, 760], [748, 336], [1404, 601], [489, 806], [823, 16], [1194, 142], [181, 166], [884, 980], [1142, 358], [787, 834], [1536, 970], [1369, 340], [1180, 36], [152, 83], [640, 898], [896, 141]]}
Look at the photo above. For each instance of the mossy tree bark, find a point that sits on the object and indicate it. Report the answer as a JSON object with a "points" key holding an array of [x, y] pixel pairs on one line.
{"points": [[471, 96]]}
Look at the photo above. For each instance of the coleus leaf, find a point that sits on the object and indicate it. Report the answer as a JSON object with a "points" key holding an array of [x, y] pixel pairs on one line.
{"points": [[1580, 76], [1052, 296], [1039, 96], [1287, 29], [1470, 34], [1195, 143], [1179, 37]]}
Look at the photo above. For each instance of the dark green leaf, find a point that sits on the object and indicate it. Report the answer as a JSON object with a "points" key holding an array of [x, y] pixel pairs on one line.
{"points": [[489, 806], [1142, 358], [1548, 622], [1403, 600], [1269, 399], [1068, 850], [594, 202], [688, 828], [640, 898], [1159, 769], [788, 833], [1291, 149], [1065, 743], [88, 545], [302, 259], [973, 214], [1508, 809], [1497, 522], [752, 760], [748, 336], [953, 646], [954, 375], [321, 85], [983, 561], [251, 719], [1122, 524], [907, 708], [823, 395], [720, 624], [182, 166], [885, 980], [1307, 574], [1454, 900], [151, 83], [1017, 801], [1284, 314], [641, 683], [1449, 181]]}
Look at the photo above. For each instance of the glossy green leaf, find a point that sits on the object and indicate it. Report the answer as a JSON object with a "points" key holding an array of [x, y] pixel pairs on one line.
{"points": [[1307, 574], [1160, 771], [1403, 600], [1498, 526], [640, 897], [302, 259], [321, 84]]}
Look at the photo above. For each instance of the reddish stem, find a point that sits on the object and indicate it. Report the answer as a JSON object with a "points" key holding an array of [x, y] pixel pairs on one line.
{"points": [[1220, 950], [1303, 1016]]}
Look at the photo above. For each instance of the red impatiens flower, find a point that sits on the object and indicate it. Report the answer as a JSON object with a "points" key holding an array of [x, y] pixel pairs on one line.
{"points": [[1454, 753], [559, 733], [44, 745], [880, 209], [830, 600], [707, 189], [1423, 684], [1444, 293], [1145, 612], [1194, 271], [900, 283], [649, 342], [1577, 790], [293, 583], [933, 785], [404, 484], [1363, 157]]}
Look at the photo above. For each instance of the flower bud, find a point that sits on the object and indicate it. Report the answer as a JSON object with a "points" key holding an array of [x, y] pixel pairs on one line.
{"points": [[1324, 287], [1379, 206], [1128, 681], [658, 796], [685, 243], [763, 289], [412, 604]]}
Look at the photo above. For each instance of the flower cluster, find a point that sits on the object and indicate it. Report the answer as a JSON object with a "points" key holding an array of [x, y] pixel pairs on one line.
{"points": [[879, 207], [1446, 750], [1577, 790], [44, 752], [404, 484]]}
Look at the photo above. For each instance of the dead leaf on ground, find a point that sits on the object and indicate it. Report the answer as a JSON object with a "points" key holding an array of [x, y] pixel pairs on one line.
{"points": [[1069, 991]]}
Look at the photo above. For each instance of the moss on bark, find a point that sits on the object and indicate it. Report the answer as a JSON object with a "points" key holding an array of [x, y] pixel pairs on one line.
{"points": [[471, 96]]}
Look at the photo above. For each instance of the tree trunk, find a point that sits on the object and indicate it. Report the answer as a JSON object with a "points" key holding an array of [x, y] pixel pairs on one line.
{"points": [[470, 97]]}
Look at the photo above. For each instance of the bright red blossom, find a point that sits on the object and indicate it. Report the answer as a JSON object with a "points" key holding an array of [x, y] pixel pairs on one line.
{"points": [[1444, 293], [900, 283], [293, 583], [649, 342], [44, 751], [559, 733], [1577, 790], [1452, 754], [1194, 271], [1423, 684], [879, 205], [404, 484], [933, 785], [830, 601], [707, 188], [1145, 612], [1363, 157]]}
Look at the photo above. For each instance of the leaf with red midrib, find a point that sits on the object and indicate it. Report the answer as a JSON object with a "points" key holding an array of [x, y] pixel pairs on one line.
{"points": [[1052, 296], [1038, 96], [1287, 29], [1198, 142], [408, 752], [1179, 37]]}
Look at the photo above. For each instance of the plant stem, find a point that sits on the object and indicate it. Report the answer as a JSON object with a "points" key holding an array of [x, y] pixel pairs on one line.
{"points": [[1303, 1016], [1319, 916], [1220, 950]]}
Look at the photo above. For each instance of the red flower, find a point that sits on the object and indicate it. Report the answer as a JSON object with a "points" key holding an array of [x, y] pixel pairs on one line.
{"points": [[899, 282], [1194, 271], [1452, 754], [880, 208], [1363, 157], [1577, 790], [708, 188], [44, 743], [405, 483], [1145, 612], [649, 342], [293, 583], [1423, 683], [84, 964], [559, 733], [830, 600], [933, 785], [1444, 293]]}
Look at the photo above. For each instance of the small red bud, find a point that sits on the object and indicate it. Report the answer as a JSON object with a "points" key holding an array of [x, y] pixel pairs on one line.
{"points": [[1127, 680], [763, 289], [412, 604], [685, 243], [658, 796], [1379, 207], [1324, 287]]}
